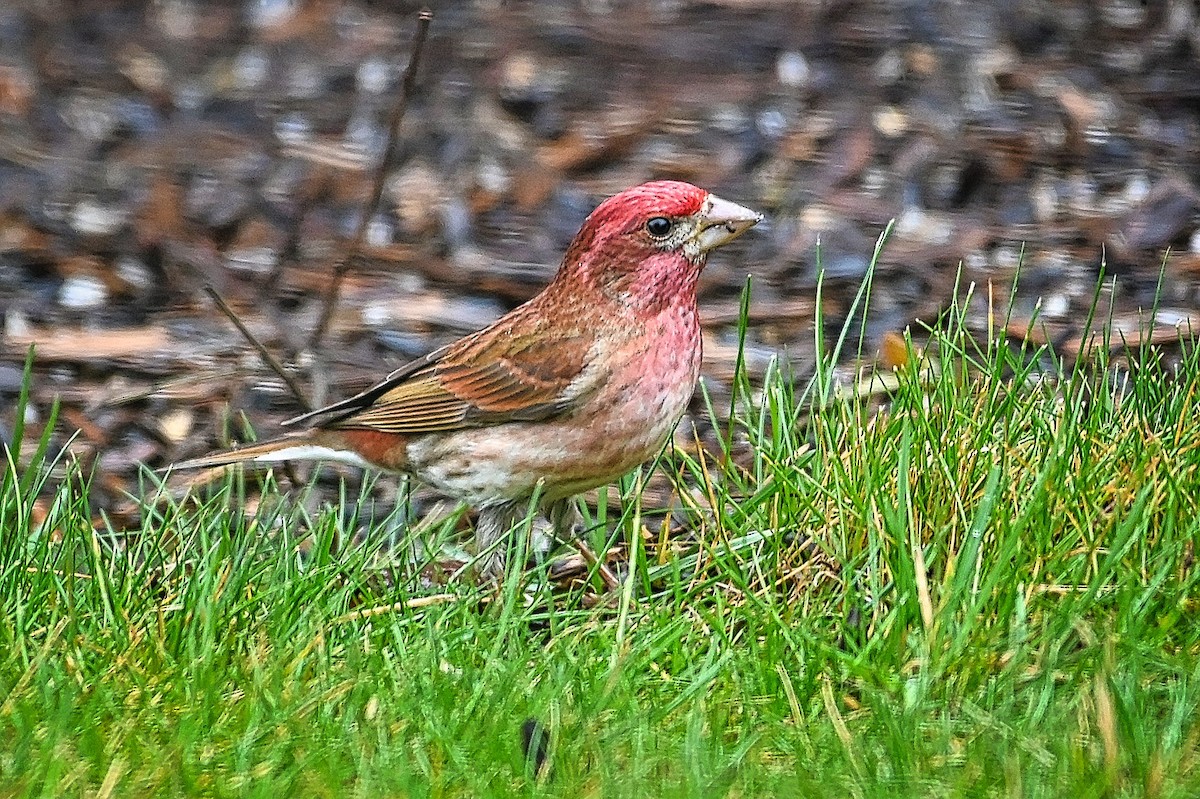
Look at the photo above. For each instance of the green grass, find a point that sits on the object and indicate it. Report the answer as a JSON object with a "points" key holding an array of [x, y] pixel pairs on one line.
{"points": [[984, 588]]}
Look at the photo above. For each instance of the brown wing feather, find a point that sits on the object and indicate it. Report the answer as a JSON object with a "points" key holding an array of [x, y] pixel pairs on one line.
{"points": [[484, 379], [350, 405], [417, 405], [515, 374]]}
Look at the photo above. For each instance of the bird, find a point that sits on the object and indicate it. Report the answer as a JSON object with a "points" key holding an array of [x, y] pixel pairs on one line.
{"points": [[566, 392]]}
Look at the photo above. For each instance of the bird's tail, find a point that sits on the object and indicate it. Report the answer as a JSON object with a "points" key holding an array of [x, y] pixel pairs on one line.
{"points": [[307, 445]]}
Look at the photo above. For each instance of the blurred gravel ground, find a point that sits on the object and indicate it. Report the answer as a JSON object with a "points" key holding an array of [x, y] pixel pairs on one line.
{"points": [[148, 150]]}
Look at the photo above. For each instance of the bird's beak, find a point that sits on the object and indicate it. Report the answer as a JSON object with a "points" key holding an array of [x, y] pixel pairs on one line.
{"points": [[721, 222]]}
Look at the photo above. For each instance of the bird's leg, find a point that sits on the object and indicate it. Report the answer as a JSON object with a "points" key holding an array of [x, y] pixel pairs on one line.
{"points": [[494, 525], [565, 524], [565, 521]]}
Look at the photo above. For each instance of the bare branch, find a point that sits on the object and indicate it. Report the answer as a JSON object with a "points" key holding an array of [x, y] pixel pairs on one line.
{"points": [[385, 165], [269, 359]]}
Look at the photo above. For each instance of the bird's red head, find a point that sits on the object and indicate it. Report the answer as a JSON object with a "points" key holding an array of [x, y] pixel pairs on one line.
{"points": [[632, 208], [650, 242]]}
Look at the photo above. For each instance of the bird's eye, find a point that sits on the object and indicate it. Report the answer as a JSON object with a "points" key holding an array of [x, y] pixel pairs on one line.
{"points": [[659, 227]]}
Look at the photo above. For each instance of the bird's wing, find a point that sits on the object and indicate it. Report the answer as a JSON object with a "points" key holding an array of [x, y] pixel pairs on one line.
{"points": [[479, 381]]}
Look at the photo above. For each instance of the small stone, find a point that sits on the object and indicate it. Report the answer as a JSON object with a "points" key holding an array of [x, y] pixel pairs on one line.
{"points": [[457, 224], [82, 291], [975, 261], [817, 218], [1137, 188], [11, 378], [923, 226], [997, 60], [134, 273], [257, 260], [771, 123], [16, 324], [380, 232], [250, 69], [845, 266], [144, 69], [372, 76], [519, 73], [190, 95], [17, 90], [175, 425], [178, 19], [492, 177], [1045, 199], [922, 60], [293, 129], [271, 13], [889, 68], [216, 202], [1055, 306], [92, 218], [891, 121], [91, 115], [305, 82], [729, 118], [1126, 14], [792, 70], [527, 85], [418, 194]]}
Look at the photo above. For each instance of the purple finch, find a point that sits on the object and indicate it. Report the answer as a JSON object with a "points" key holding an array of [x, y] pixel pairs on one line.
{"points": [[565, 393]]}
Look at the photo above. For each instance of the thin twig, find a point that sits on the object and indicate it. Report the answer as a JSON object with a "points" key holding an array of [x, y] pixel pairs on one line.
{"points": [[412, 604], [57, 573], [385, 164], [611, 583], [269, 359]]}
